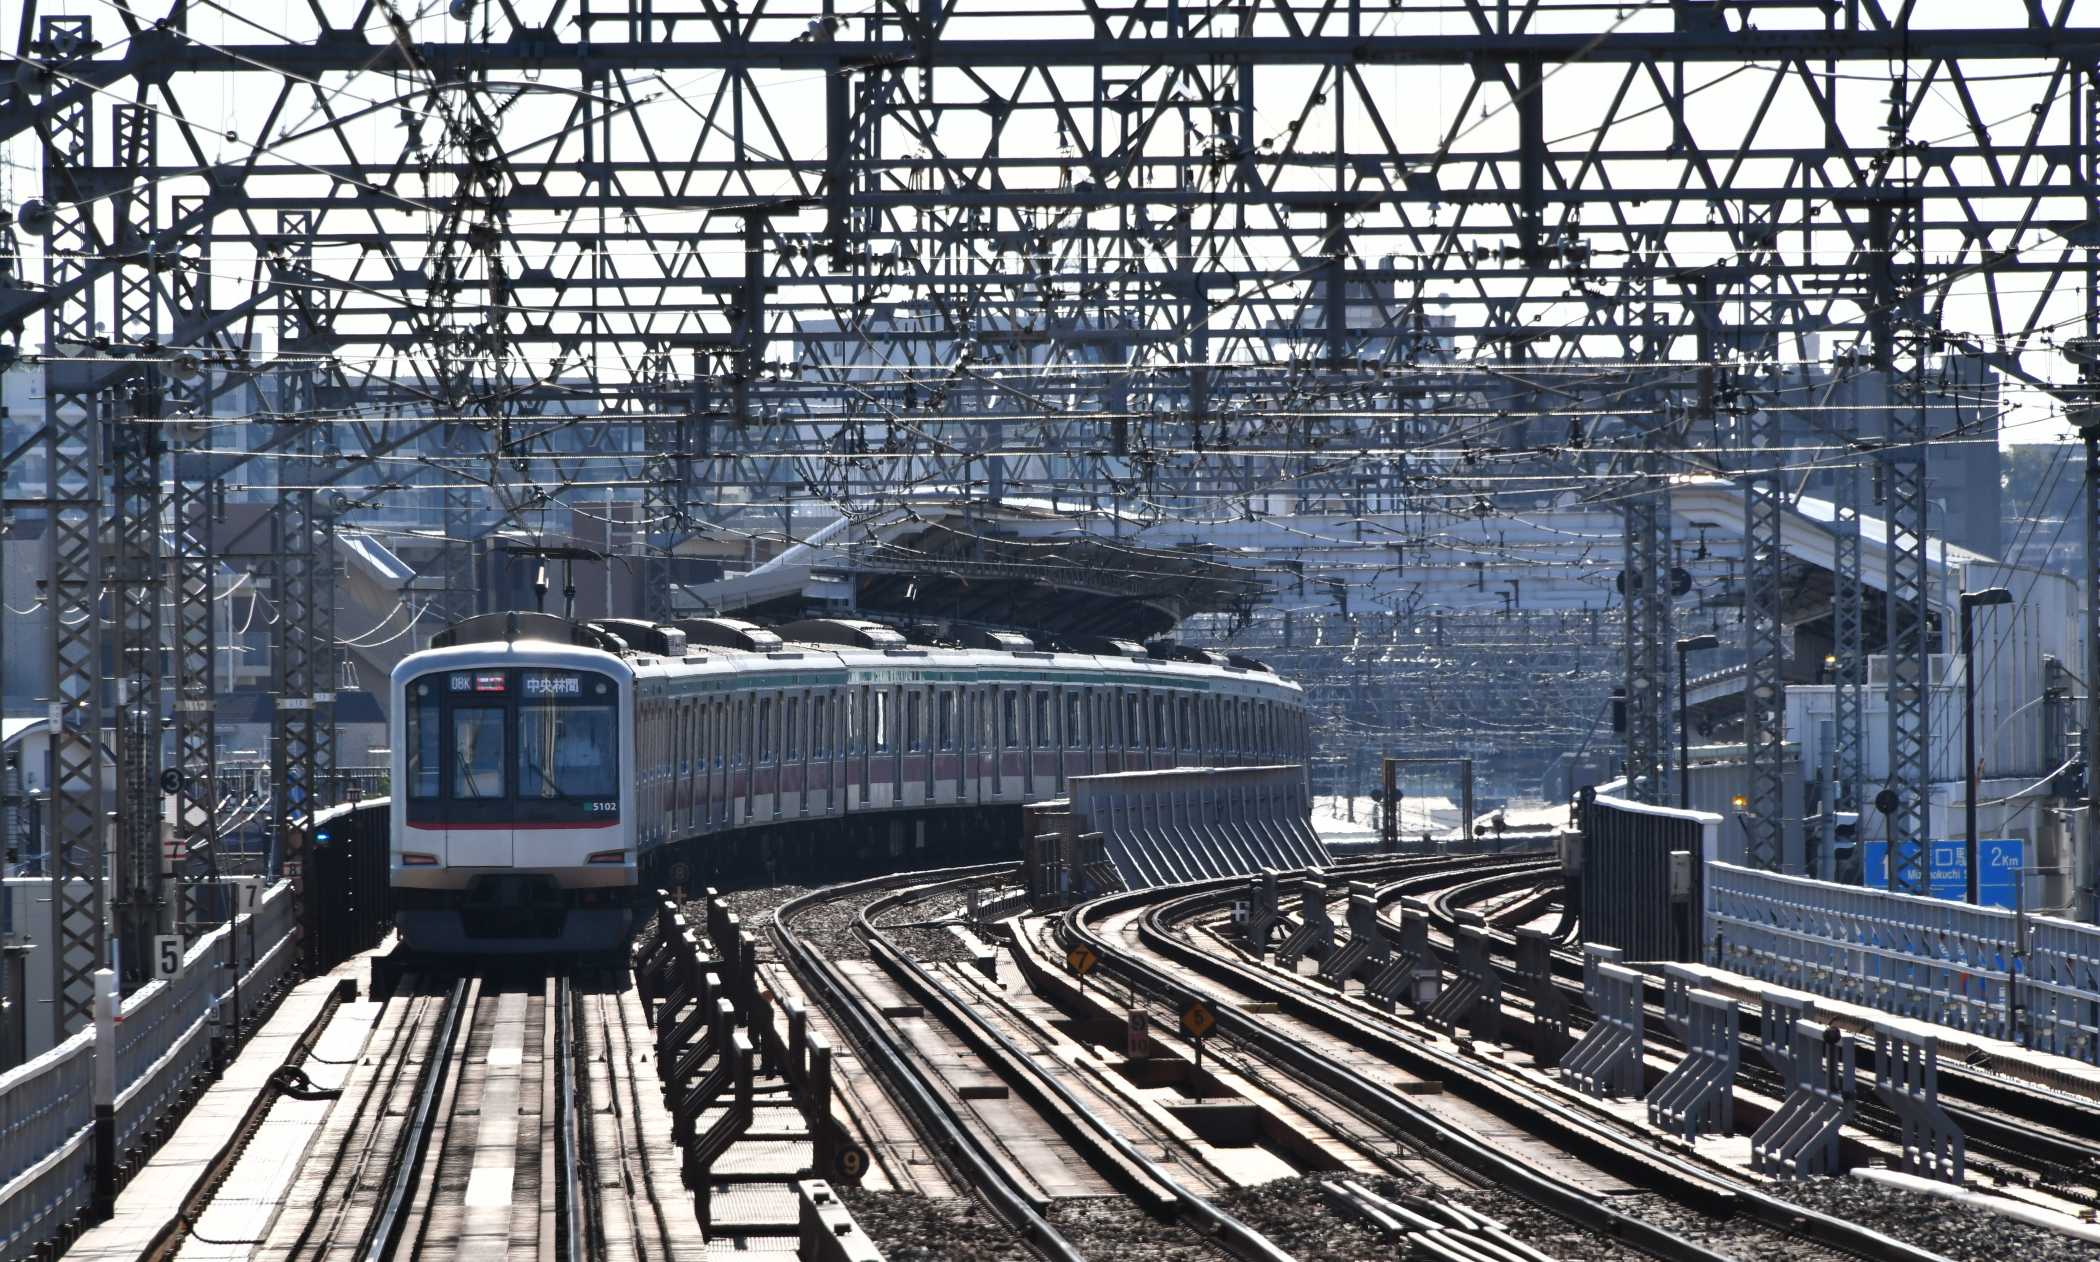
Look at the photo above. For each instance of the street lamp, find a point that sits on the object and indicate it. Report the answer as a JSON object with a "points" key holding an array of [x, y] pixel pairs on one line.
{"points": [[1969, 601], [1692, 644]]}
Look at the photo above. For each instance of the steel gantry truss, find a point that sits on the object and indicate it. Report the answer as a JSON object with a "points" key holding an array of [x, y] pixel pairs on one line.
{"points": [[1181, 260], [1649, 643]]}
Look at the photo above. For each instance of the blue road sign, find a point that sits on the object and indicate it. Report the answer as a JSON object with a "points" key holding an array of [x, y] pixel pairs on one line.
{"points": [[1996, 885]]}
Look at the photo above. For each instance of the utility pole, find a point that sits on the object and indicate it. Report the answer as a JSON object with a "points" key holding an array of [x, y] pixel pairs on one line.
{"points": [[2085, 414]]}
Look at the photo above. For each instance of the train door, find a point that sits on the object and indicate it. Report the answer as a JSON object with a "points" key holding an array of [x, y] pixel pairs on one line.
{"points": [[1029, 744], [739, 760], [815, 771], [1097, 729], [772, 746], [794, 773], [711, 717], [857, 746], [696, 769], [704, 760], [889, 707], [1009, 741], [987, 743], [1067, 731], [789, 791], [682, 715], [479, 765], [835, 766], [682, 769], [940, 742], [967, 779], [1111, 722], [912, 757], [1133, 744]]}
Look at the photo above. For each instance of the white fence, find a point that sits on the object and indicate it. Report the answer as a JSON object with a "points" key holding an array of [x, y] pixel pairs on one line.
{"points": [[163, 1039], [2033, 979]]}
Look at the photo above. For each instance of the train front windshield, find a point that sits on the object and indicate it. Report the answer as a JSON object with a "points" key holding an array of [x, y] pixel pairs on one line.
{"points": [[518, 747]]}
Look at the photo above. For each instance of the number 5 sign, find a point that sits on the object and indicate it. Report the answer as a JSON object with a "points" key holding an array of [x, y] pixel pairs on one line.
{"points": [[167, 956]]}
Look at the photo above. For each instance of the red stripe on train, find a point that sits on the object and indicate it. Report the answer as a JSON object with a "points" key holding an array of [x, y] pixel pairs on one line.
{"points": [[520, 828]]}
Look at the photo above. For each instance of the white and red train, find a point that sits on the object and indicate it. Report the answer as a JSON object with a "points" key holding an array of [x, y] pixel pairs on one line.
{"points": [[542, 767]]}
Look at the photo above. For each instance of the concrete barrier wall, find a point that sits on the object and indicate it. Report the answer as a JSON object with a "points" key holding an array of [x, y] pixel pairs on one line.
{"points": [[1197, 823]]}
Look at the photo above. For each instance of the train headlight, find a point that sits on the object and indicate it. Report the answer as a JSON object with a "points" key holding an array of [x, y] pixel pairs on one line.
{"points": [[410, 859], [607, 856]]}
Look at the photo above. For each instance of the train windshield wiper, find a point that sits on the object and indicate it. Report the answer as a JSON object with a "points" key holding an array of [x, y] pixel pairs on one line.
{"points": [[553, 789], [469, 777]]}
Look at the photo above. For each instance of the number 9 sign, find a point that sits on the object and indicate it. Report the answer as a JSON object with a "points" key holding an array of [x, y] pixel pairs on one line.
{"points": [[851, 1163]]}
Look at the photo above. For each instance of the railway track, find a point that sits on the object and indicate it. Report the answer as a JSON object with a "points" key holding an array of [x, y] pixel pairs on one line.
{"points": [[1061, 1160], [2015, 1135], [1552, 1155], [976, 1163], [949, 1028], [493, 1114]]}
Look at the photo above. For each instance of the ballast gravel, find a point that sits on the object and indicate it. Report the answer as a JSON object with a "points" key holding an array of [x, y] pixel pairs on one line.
{"points": [[1295, 1215], [1963, 1233], [908, 1227]]}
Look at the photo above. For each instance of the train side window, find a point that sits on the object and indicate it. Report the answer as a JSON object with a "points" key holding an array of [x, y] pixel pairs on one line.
{"points": [[819, 733], [944, 719], [765, 729], [1010, 718], [856, 720], [1186, 716], [1042, 719], [794, 728], [1161, 737], [1075, 713], [425, 763], [1133, 714], [879, 723], [914, 721], [478, 759]]}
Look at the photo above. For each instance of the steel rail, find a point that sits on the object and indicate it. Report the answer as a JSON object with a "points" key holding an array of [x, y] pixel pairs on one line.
{"points": [[1993, 1127], [1064, 1109], [410, 1153], [890, 1058], [1687, 1184], [576, 1203]]}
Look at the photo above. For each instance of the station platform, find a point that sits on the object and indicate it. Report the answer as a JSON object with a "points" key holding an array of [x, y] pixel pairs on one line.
{"points": [[145, 1220]]}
